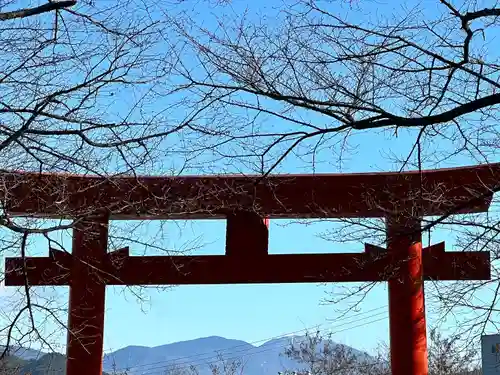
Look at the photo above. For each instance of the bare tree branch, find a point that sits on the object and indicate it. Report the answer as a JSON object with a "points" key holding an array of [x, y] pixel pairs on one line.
{"points": [[45, 8]]}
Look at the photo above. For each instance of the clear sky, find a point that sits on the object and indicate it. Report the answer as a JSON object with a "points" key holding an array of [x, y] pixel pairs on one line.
{"points": [[255, 313]]}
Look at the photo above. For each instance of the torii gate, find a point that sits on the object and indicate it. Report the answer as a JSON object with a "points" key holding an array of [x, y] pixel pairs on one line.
{"points": [[247, 203]]}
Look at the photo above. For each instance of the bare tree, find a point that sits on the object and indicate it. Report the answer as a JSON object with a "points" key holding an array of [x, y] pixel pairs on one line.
{"points": [[220, 366], [320, 355], [82, 88], [317, 354], [448, 357], [301, 88], [403, 72]]}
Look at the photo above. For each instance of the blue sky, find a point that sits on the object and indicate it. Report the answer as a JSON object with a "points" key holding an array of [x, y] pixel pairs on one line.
{"points": [[255, 313]]}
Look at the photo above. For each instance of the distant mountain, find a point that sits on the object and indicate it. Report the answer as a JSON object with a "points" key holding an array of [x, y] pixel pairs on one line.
{"points": [[265, 359], [23, 353], [143, 360]]}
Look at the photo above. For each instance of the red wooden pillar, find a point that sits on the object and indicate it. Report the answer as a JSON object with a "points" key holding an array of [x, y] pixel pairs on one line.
{"points": [[86, 298], [406, 298]]}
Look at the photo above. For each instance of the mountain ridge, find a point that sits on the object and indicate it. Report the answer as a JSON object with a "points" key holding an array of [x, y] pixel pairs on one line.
{"points": [[266, 358]]}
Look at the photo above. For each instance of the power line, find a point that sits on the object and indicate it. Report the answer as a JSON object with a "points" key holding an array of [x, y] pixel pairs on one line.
{"points": [[266, 339], [216, 358]]}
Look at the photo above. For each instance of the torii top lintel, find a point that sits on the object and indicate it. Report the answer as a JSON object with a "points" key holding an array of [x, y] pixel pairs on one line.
{"points": [[429, 192]]}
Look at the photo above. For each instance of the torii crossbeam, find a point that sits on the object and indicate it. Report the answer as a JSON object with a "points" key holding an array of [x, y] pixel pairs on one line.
{"points": [[118, 268], [247, 203]]}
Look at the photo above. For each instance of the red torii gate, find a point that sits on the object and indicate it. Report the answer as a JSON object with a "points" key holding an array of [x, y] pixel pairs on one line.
{"points": [[247, 203]]}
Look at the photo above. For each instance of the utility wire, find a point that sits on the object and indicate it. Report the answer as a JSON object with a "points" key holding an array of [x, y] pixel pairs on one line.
{"points": [[188, 360], [215, 359], [266, 339]]}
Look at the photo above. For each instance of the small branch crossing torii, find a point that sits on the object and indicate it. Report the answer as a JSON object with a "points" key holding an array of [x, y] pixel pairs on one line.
{"points": [[248, 203]]}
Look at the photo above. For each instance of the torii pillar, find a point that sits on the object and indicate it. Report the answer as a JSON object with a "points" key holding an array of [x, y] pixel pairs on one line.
{"points": [[407, 325], [87, 295]]}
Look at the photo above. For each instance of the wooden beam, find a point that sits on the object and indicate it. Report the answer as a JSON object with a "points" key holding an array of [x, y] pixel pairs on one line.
{"points": [[433, 192], [247, 234], [122, 269]]}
